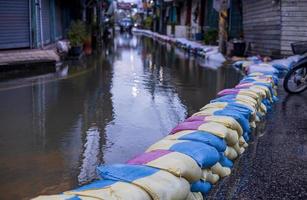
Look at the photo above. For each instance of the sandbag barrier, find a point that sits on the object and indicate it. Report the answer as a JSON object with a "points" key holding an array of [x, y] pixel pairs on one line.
{"points": [[197, 153], [208, 52]]}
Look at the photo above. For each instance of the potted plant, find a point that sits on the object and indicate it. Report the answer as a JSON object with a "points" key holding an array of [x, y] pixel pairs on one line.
{"points": [[88, 44], [211, 36], [76, 36]]}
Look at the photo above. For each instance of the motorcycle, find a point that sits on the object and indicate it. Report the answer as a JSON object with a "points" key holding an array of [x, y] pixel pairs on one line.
{"points": [[295, 80]]}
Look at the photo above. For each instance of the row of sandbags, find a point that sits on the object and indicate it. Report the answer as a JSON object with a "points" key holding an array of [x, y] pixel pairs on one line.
{"points": [[259, 64], [196, 48], [195, 155]]}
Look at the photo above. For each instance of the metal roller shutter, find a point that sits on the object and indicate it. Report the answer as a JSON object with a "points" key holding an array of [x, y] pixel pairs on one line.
{"points": [[46, 21], [58, 18], [14, 24]]}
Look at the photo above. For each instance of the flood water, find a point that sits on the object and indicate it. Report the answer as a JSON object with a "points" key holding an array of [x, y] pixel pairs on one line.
{"points": [[56, 128]]}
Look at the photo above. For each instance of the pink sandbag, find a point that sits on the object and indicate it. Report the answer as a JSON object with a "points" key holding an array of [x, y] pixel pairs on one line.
{"points": [[228, 91], [148, 157], [176, 163], [193, 125]]}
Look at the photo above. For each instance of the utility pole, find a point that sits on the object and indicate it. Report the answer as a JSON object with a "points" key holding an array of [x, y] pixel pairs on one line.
{"points": [[223, 25]]}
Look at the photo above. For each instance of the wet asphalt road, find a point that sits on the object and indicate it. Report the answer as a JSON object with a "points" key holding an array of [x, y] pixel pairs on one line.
{"points": [[275, 164]]}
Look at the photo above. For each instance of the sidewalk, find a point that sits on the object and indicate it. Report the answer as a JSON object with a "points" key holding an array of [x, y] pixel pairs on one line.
{"points": [[27, 56], [275, 164]]}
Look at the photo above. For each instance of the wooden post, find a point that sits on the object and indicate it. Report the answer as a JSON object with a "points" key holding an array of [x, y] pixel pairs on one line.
{"points": [[223, 28]]}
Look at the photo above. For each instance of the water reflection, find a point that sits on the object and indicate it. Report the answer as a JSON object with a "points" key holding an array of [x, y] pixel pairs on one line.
{"points": [[90, 156], [56, 128]]}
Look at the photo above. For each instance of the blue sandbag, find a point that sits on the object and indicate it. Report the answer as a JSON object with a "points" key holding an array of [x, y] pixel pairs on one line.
{"points": [[267, 104], [205, 155], [206, 138], [237, 116], [96, 185], [246, 112], [225, 162], [201, 186], [125, 172]]}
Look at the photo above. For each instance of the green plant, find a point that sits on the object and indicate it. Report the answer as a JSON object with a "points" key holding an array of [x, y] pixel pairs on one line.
{"points": [[211, 36], [77, 33], [148, 22]]}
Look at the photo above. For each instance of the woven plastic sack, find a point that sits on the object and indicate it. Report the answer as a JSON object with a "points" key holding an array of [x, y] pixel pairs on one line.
{"points": [[262, 67], [159, 184], [102, 189], [117, 190], [60, 197], [195, 196], [231, 137], [200, 136], [248, 112], [229, 122], [201, 186], [176, 163], [210, 177], [205, 155]]}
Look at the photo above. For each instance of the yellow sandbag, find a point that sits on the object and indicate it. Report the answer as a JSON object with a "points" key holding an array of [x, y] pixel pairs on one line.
{"points": [[242, 142], [238, 148], [222, 105], [231, 136], [263, 89], [251, 93], [59, 197], [258, 91], [248, 100], [117, 191], [229, 122], [195, 196], [220, 170], [231, 153], [177, 188], [163, 144], [178, 164], [208, 176]]}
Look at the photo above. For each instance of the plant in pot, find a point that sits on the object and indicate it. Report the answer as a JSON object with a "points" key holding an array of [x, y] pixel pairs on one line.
{"points": [[88, 44], [211, 36], [76, 36]]}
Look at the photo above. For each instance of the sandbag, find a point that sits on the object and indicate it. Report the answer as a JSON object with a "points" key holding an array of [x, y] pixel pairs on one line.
{"points": [[176, 163], [201, 186], [102, 190], [205, 155], [244, 123], [200, 136], [247, 112], [195, 196], [220, 170], [60, 197], [231, 137], [159, 184], [229, 122], [210, 177], [105, 189]]}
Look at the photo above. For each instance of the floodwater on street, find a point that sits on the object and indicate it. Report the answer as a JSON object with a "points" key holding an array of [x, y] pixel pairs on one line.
{"points": [[57, 128]]}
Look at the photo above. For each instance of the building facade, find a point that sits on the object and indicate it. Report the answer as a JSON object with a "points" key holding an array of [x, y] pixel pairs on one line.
{"points": [[194, 17], [271, 26], [34, 23]]}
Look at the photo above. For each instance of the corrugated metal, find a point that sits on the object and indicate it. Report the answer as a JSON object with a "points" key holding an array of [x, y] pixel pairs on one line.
{"points": [[235, 19], [294, 24], [14, 24], [262, 26], [46, 21], [58, 18]]}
